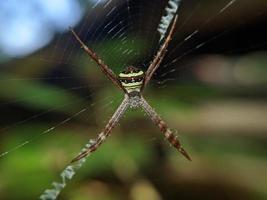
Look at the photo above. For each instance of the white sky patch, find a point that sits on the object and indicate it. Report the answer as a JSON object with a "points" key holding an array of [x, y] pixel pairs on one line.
{"points": [[27, 26], [62, 13], [22, 38]]}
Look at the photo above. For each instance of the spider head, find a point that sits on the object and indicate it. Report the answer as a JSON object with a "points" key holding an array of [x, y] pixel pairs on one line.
{"points": [[131, 78]]}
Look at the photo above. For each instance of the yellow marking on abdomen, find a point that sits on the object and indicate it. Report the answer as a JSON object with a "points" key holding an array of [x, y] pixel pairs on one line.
{"points": [[133, 74]]}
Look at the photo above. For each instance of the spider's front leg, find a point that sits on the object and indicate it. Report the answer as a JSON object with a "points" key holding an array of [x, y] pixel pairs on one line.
{"points": [[169, 135], [93, 145], [160, 55], [103, 67]]}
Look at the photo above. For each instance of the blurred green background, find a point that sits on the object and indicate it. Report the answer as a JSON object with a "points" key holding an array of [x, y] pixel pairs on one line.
{"points": [[211, 88]]}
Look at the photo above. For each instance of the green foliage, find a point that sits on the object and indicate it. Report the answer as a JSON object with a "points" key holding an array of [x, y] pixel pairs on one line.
{"points": [[227, 158]]}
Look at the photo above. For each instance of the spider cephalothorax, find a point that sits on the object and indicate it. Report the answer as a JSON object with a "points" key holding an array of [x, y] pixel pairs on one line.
{"points": [[131, 81]]}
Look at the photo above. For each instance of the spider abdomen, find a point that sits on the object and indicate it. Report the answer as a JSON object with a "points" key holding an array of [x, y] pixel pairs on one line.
{"points": [[131, 79]]}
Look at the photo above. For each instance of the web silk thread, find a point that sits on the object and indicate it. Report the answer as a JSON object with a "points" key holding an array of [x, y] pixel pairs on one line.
{"points": [[66, 175], [165, 21]]}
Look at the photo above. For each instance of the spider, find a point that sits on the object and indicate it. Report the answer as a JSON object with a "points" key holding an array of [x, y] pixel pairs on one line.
{"points": [[131, 81]]}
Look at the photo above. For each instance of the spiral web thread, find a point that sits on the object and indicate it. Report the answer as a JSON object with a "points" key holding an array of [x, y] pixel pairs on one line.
{"points": [[66, 175], [171, 10]]}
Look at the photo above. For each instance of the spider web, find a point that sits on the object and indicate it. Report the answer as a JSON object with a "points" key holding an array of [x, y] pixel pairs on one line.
{"points": [[122, 33]]}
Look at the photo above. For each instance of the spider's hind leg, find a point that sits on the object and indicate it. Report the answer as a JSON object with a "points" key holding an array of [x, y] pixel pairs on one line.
{"points": [[168, 133], [174, 141], [93, 145]]}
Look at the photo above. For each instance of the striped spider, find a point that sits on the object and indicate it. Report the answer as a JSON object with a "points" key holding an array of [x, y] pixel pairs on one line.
{"points": [[131, 81]]}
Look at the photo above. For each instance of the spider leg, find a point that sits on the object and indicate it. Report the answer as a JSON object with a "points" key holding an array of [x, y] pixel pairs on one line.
{"points": [[93, 145], [168, 133], [103, 67], [160, 55]]}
